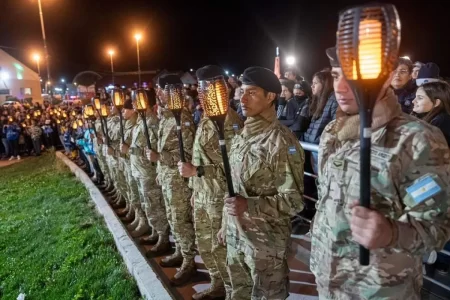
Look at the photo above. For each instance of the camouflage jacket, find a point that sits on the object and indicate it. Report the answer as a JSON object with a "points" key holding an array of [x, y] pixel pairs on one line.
{"points": [[207, 153], [168, 142], [404, 151], [140, 165], [267, 164]]}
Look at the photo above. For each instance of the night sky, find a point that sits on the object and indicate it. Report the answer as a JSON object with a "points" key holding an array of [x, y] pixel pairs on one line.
{"points": [[189, 34]]}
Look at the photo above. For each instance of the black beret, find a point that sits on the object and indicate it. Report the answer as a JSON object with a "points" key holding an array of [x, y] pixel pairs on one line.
{"points": [[168, 79], [128, 104], [208, 72], [263, 78], [332, 56]]}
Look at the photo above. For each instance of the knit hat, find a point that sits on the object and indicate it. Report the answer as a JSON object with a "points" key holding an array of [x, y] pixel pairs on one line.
{"points": [[428, 73]]}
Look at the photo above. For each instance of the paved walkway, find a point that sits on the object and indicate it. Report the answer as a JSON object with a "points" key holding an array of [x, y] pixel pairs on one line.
{"points": [[4, 163]]}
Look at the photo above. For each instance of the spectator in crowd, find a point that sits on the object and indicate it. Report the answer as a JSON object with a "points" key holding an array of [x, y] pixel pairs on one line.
{"points": [[12, 132], [322, 110], [302, 95], [404, 85], [432, 105], [428, 73], [3, 123]]}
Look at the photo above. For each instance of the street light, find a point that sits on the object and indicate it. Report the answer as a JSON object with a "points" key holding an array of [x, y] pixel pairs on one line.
{"points": [[37, 58], [47, 58], [138, 37], [290, 60], [63, 80], [111, 53], [368, 39]]}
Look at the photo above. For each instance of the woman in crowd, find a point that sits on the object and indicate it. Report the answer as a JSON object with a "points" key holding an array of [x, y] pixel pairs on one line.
{"points": [[432, 105], [322, 109]]}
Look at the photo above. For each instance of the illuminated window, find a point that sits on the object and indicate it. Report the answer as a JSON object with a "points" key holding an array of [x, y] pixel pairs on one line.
{"points": [[25, 91]]}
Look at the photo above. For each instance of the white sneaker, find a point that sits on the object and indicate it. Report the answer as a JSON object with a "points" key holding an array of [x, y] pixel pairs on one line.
{"points": [[12, 157], [18, 157]]}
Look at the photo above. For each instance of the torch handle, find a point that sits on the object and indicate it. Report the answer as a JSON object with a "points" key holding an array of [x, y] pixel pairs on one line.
{"points": [[147, 136], [226, 162], [121, 129], [106, 132], [365, 174], [180, 139]]}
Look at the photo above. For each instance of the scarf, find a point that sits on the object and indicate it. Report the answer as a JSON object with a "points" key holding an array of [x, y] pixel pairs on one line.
{"points": [[257, 124], [346, 126]]}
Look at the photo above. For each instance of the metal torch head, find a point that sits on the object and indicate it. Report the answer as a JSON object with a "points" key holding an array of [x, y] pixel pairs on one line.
{"points": [[118, 98], [104, 110], [96, 102], [80, 123], [140, 100], [174, 96], [75, 125], [368, 41], [89, 111], [215, 97]]}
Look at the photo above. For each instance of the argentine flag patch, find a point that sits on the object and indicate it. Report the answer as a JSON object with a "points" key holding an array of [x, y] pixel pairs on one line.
{"points": [[292, 150], [236, 127], [424, 189]]}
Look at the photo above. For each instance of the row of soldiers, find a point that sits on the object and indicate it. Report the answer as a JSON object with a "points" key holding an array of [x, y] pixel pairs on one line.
{"points": [[155, 189]]}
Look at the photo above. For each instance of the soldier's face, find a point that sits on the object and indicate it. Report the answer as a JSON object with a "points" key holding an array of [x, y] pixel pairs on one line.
{"points": [[161, 96], [127, 113], [254, 100], [344, 94]]}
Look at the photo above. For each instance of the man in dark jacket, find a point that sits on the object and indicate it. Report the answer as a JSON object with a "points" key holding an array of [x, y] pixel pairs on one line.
{"points": [[403, 84]]}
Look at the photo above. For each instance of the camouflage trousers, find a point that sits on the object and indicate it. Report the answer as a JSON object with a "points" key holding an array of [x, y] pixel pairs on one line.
{"points": [[208, 221], [153, 204], [176, 194], [131, 184], [118, 176], [257, 278], [101, 160]]}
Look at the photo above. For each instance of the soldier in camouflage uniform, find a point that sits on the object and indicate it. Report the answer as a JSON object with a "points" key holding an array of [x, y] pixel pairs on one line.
{"points": [[410, 200], [139, 226], [112, 151], [97, 142], [267, 164], [175, 190], [145, 174], [208, 182]]}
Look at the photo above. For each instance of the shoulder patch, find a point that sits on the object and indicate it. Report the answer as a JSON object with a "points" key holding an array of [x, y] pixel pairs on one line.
{"points": [[424, 189], [292, 150], [187, 123], [236, 126]]}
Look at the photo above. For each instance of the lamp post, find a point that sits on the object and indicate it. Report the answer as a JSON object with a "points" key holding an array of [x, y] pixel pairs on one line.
{"points": [[47, 58], [118, 99], [111, 53], [175, 103], [368, 40], [213, 95], [138, 37], [140, 101], [37, 58]]}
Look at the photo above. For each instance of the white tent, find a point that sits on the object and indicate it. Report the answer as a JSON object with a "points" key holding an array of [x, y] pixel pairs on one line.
{"points": [[17, 80]]}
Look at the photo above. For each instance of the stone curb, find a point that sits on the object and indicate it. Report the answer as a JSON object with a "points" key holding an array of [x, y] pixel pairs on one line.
{"points": [[149, 284]]}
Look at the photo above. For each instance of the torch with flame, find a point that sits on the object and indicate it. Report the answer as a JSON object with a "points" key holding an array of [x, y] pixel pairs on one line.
{"points": [[368, 41], [175, 103], [118, 99]]}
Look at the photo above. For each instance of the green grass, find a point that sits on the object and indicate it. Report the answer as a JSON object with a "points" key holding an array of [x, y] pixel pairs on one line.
{"points": [[52, 243]]}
